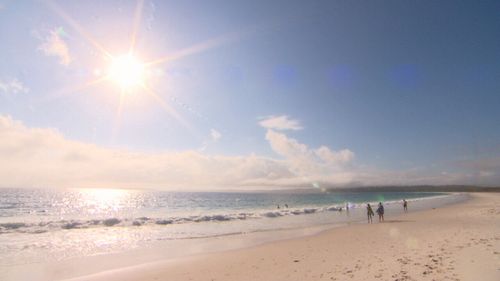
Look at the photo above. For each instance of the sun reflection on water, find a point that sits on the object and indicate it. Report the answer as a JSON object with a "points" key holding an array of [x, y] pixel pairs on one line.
{"points": [[104, 200]]}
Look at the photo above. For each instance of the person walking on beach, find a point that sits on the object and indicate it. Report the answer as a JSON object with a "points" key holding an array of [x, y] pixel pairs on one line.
{"points": [[405, 205], [369, 213], [380, 212]]}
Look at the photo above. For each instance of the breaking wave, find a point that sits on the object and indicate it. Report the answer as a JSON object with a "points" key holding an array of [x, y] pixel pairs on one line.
{"points": [[41, 227]]}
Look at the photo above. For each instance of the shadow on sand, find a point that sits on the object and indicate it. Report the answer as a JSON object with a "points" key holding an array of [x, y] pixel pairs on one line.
{"points": [[396, 221]]}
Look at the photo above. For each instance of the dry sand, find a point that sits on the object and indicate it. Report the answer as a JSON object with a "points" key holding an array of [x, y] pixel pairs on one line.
{"points": [[457, 242]]}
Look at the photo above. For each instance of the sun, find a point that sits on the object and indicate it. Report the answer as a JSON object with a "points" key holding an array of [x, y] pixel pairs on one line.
{"points": [[127, 71]]}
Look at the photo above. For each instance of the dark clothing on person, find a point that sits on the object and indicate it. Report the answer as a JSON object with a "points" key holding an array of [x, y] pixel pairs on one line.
{"points": [[380, 210]]}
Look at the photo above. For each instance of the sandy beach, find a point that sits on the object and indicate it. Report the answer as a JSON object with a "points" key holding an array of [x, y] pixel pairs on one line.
{"points": [[149, 140], [456, 242]]}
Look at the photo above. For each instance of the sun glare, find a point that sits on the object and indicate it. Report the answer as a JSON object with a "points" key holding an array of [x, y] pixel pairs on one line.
{"points": [[99, 200], [127, 71]]}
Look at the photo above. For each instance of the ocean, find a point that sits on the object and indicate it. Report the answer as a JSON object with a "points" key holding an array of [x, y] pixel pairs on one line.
{"points": [[40, 225]]}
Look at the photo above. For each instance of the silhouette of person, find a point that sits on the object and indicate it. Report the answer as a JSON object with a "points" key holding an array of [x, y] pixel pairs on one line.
{"points": [[380, 212], [370, 213]]}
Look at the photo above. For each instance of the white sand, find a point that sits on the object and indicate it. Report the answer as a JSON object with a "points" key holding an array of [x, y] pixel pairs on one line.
{"points": [[457, 242]]}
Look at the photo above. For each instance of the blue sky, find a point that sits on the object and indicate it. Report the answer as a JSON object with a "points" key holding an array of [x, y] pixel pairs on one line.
{"points": [[396, 92]]}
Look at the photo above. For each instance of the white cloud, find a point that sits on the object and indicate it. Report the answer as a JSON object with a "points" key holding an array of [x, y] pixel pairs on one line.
{"points": [[54, 45], [484, 170], [215, 135], [12, 86], [35, 157], [335, 157], [322, 164], [292, 149], [282, 122]]}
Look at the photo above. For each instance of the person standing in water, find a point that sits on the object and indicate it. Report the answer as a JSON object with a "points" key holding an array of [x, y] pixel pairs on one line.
{"points": [[405, 205], [369, 213], [380, 212]]}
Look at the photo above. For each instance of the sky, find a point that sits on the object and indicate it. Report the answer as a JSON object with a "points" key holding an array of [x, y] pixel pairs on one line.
{"points": [[249, 94]]}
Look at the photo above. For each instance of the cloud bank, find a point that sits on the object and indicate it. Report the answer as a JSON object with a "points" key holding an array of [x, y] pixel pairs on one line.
{"points": [[41, 157]]}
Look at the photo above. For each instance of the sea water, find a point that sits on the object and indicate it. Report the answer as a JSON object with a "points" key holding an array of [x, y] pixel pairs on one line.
{"points": [[43, 225]]}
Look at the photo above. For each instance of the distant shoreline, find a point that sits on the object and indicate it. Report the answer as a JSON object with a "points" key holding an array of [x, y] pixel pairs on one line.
{"points": [[419, 188]]}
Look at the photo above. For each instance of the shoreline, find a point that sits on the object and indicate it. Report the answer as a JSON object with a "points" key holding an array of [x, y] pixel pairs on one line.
{"points": [[425, 245], [145, 261]]}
